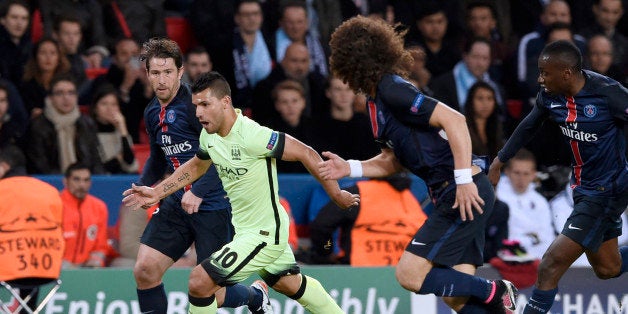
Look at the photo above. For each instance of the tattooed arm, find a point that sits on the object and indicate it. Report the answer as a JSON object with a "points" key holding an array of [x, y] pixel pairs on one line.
{"points": [[144, 196]]}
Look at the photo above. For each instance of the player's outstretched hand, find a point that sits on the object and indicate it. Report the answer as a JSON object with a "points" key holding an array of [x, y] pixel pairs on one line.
{"points": [[334, 167], [468, 199], [494, 171], [140, 197], [345, 199], [190, 202]]}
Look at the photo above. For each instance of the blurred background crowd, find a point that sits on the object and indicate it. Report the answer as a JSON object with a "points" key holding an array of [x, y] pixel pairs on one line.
{"points": [[73, 90]]}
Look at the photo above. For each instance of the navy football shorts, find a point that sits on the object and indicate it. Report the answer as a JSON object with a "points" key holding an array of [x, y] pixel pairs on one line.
{"points": [[172, 230], [445, 239], [595, 219]]}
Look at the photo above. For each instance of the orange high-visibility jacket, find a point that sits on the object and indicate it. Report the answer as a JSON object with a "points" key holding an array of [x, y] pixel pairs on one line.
{"points": [[387, 221], [84, 228], [31, 239]]}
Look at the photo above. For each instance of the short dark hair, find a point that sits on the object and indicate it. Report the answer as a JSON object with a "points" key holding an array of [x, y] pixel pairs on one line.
{"points": [[13, 156], [288, 84], [481, 4], [65, 77], [74, 167], [6, 5], [291, 4], [564, 52], [523, 155], [66, 18], [214, 81], [469, 44], [197, 51], [162, 48]]}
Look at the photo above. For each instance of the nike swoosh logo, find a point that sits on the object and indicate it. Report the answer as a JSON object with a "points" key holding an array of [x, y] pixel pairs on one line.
{"points": [[573, 227], [414, 242], [553, 105]]}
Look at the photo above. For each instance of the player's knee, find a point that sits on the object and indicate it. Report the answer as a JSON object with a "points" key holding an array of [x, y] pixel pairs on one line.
{"points": [[606, 271], [145, 273], [407, 279], [198, 284]]}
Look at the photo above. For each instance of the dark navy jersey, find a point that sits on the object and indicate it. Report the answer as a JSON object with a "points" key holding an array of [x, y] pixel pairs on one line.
{"points": [[400, 117], [174, 137], [592, 122]]}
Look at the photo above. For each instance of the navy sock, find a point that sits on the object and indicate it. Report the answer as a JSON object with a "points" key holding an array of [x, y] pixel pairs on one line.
{"points": [[201, 302], [623, 252], [153, 300], [447, 282], [474, 306], [541, 301], [238, 295]]}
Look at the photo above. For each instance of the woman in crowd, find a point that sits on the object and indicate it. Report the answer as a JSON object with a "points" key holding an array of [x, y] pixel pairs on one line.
{"points": [[115, 141], [483, 120], [46, 61]]}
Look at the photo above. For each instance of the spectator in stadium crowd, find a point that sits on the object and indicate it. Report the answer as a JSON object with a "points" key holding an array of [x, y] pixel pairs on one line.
{"points": [[61, 135], [88, 11], [363, 227], [15, 41], [115, 142], [453, 86], [481, 21], [295, 66], [128, 75], [13, 116], [252, 58], [600, 58], [289, 99], [294, 28], [67, 32], [342, 130], [483, 120], [46, 61], [530, 47], [607, 14], [530, 220], [85, 219], [418, 74], [197, 61], [431, 23]]}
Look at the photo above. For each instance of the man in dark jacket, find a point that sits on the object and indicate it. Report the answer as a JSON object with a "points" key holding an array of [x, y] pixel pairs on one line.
{"points": [[62, 135]]}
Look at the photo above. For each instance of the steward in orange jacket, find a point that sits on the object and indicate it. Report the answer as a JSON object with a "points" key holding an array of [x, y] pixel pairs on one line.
{"points": [[84, 220], [374, 234], [31, 242]]}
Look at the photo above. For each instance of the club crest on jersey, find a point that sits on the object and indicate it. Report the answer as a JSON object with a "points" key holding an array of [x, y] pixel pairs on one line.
{"points": [[235, 153], [272, 141], [171, 116], [590, 110]]}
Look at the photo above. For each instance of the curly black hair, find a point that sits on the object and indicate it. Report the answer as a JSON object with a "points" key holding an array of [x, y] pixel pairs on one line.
{"points": [[364, 49]]}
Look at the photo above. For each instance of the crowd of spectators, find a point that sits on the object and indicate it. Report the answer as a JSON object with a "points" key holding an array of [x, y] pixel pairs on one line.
{"points": [[72, 88]]}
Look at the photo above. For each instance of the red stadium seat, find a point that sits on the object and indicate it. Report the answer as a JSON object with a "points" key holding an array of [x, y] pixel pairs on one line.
{"points": [[180, 30], [141, 151], [37, 26]]}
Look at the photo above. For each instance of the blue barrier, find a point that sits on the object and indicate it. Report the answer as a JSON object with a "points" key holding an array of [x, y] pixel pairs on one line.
{"points": [[298, 189]]}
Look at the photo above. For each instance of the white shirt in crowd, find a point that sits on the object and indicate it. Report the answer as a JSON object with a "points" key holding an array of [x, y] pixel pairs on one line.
{"points": [[530, 220]]}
